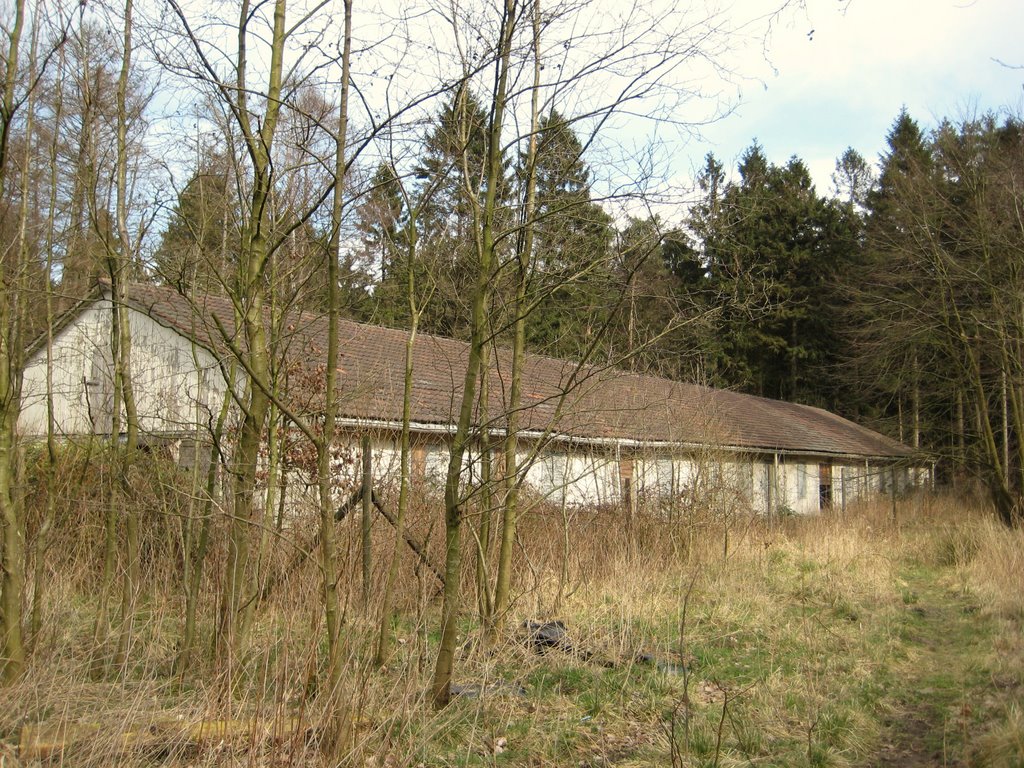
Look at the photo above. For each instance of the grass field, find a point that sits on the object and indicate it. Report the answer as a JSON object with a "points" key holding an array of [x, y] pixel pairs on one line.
{"points": [[843, 640]]}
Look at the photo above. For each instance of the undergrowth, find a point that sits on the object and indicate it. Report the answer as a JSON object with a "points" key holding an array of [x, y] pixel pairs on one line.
{"points": [[845, 639]]}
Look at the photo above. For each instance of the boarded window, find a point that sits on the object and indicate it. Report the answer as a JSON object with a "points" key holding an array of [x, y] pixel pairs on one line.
{"points": [[419, 462], [626, 487], [824, 486]]}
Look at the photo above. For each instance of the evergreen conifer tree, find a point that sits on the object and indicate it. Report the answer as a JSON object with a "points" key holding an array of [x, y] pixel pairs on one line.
{"points": [[572, 237]]}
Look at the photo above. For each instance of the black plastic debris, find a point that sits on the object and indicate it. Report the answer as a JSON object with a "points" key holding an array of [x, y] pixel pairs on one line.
{"points": [[545, 635]]}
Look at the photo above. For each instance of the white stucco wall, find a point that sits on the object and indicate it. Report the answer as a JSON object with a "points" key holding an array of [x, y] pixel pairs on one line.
{"points": [[178, 385], [803, 487], [573, 475]]}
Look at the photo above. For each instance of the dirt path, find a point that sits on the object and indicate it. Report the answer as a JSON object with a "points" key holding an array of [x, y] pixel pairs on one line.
{"points": [[930, 719]]}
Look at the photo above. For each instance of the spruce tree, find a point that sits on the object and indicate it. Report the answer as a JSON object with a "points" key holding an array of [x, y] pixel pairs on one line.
{"points": [[892, 343], [570, 282], [198, 250], [772, 248], [450, 196]]}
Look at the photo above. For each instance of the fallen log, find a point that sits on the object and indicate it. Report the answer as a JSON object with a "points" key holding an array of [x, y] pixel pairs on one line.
{"points": [[161, 734]]}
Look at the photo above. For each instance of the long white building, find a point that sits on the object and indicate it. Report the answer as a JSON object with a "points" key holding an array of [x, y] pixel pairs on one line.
{"points": [[596, 435]]}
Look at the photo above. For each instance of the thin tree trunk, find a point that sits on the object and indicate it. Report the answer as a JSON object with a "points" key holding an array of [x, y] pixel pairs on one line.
{"points": [[13, 551], [510, 511], [273, 466], [444, 665], [121, 265], [12, 543], [42, 535], [1004, 399], [1002, 496], [270, 499], [232, 620], [960, 430], [384, 635], [22, 261], [915, 402], [197, 555], [253, 261], [484, 594], [101, 627], [366, 519], [341, 732]]}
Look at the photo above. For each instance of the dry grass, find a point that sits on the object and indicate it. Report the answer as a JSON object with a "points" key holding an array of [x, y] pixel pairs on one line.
{"points": [[713, 642], [993, 560]]}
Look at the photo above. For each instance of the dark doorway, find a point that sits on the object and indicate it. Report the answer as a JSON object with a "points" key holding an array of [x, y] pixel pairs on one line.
{"points": [[824, 486]]}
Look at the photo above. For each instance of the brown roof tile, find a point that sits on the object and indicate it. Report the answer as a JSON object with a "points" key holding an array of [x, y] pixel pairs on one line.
{"points": [[586, 402]]}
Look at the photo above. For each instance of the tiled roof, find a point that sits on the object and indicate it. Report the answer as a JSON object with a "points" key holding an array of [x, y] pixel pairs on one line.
{"points": [[585, 402]]}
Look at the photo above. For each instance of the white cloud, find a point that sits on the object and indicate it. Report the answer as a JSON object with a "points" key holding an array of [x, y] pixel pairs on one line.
{"points": [[814, 94]]}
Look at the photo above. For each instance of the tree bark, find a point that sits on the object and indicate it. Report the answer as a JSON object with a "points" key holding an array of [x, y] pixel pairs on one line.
{"points": [[120, 265], [259, 142], [444, 665], [524, 256], [12, 542], [366, 519], [384, 635], [340, 733]]}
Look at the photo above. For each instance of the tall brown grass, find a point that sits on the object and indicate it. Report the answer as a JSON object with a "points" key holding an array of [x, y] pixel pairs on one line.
{"points": [[659, 587]]}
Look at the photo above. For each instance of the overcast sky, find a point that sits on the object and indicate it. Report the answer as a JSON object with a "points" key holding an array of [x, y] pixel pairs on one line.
{"points": [[814, 94]]}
